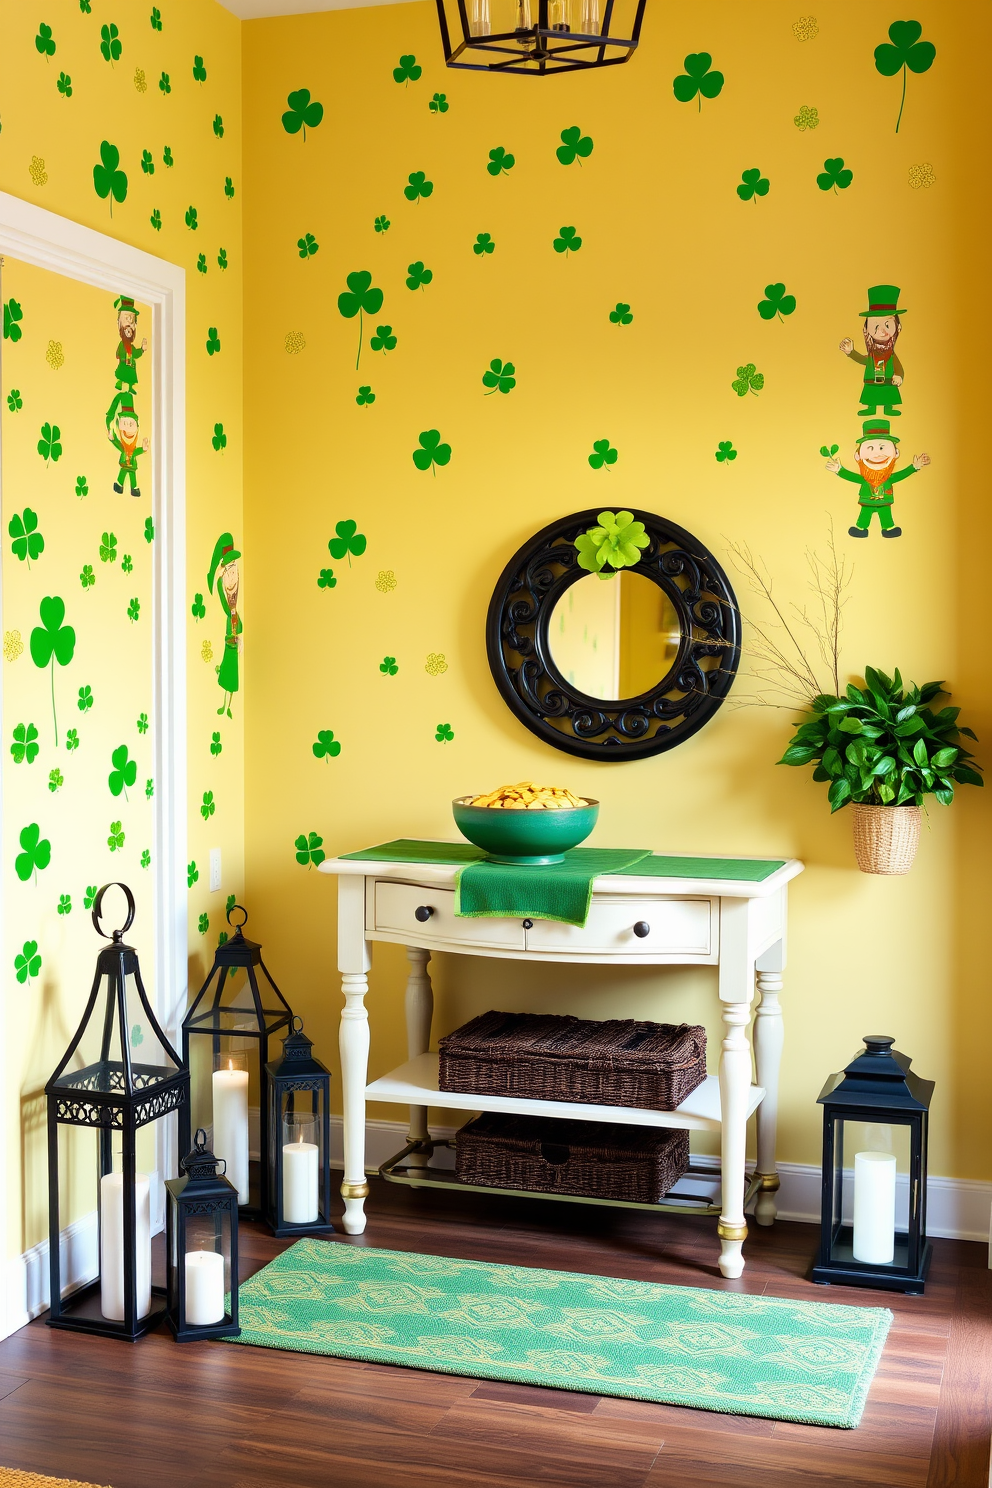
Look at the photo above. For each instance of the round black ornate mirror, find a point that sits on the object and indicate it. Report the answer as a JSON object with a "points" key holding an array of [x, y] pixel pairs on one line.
{"points": [[618, 665]]}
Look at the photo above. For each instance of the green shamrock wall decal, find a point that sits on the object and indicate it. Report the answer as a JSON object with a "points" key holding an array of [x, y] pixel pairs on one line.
{"points": [[203, 924], [146, 858], [149, 530], [35, 854], [27, 963], [621, 316], [603, 455], [199, 71], [309, 849], [697, 81], [326, 579], [444, 733], [147, 163], [777, 302], [748, 380], [574, 146], [302, 113], [229, 188], [49, 446], [72, 739], [192, 874], [127, 563], [408, 71], [431, 452], [14, 400], [325, 746], [27, 542], [361, 298], [828, 451], [110, 43], [198, 609], [190, 219], [439, 104], [64, 85], [52, 642], [499, 378], [307, 246], [141, 723], [232, 900], [365, 397], [65, 904], [24, 748], [156, 220], [43, 41], [108, 547], [500, 162], [219, 439], [82, 489], [85, 699], [213, 341], [56, 780], [216, 747], [207, 805], [89, 896], [834, 175], [567, 241], [388, 666], [116, 839], [218, 126], [108, 179], [201, 263], [349, 540], [133, 609], [156, 18], [753, 184], [904, 50], [165, 86], [418, 186], [87, 577], [381, 224], [726, 452], [149, 789], [383, 340], [615, 543], [222, 258], [124, 772], [417, 275], [12, 316], [483, 244]]}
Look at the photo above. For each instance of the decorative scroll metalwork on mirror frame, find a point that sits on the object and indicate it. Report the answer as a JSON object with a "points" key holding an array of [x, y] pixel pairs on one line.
{"points": [[698, 680]]}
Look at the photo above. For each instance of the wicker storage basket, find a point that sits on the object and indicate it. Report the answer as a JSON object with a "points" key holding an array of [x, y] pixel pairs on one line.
{"points": [[616, 1063], [589, 1158], [886, 837]]}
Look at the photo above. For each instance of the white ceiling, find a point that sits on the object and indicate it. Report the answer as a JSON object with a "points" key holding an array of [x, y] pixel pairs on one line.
{"points": [[252, 10]]}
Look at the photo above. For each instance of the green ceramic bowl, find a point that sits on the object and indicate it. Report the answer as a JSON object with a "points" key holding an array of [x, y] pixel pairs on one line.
{"points": [[536, 837]]}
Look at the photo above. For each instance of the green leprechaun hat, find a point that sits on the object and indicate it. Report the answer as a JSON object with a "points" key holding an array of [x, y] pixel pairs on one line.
{"points": [[876, 428], [883, 299], [224, 552], [121, 407], [125, 302]]}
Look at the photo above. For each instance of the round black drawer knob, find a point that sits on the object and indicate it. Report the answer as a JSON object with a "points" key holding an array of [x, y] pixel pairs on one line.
{"points": [[528, 924], [423, 913], [642, 929]]}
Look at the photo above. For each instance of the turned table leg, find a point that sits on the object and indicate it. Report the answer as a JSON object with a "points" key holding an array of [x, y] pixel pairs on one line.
{"points": [[354, 1043], [735, 1083], [768, 1035], [419, 1013]]}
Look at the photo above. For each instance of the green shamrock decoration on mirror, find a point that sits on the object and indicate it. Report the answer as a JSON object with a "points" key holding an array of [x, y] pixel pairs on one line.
{"points": [[52, 642], [834, 175], [904, 50], [614, 544], [361, 298], [698, 81], [302, 113], [777, 302]]}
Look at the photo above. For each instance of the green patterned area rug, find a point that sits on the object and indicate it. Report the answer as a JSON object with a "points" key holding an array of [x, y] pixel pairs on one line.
{"points": [[715, 1350]]}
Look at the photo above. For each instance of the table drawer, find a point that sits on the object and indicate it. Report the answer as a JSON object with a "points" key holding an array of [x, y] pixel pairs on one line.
{"points": [[676, 927], [394, 911]]}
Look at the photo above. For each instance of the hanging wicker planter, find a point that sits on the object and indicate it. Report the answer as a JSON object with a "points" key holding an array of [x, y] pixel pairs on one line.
{"points": [[886, 837]]}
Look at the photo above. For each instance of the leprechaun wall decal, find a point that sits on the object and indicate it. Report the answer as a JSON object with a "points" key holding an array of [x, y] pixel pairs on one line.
{"points": [[877, 452], [883, 369], [224, 568], [124, 437]]}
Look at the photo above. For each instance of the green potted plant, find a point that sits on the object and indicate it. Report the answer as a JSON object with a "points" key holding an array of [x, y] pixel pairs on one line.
{"points": [[884, 749]]}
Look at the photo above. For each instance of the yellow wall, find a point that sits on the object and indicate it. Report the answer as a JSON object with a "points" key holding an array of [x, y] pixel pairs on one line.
{"points": [[49, 143], [663, 230]]}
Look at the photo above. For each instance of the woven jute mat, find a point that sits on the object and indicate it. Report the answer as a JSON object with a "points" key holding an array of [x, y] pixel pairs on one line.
{"points": [[10, 1477]]}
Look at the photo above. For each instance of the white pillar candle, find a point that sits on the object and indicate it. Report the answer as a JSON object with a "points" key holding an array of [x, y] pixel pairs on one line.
{"points": [[300, 1195], [230, 1137], [112, 1246], [874, 1207], [204, 1288]]}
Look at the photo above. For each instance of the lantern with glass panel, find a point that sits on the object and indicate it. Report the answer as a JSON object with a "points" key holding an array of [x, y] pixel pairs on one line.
{"points": [[874, 1182], [202, 1248], [299, 1139]]}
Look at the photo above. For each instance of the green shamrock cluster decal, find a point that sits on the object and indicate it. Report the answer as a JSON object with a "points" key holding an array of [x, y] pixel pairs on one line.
{"points": [[35, 854], [14, 400], [115, 841], [388, 666], [381, 224], [82, 489], [65, 904], [199, 71], [499, 378], [567, 241], [904, 52], [725, 452], [216, 746], [417, 275], [27, 962], [192, 874], [575, 146], [64, 85], [52, 642], [348, 541], [444, 733], [325, 746], [408, 71], [108, 179], [620, 315], [365, 396], [24, 749], [302, 113], [432, 452], [776, 302], [219, 438], [418, 186], [500, 162], [123, 773], [309, 849], [603, 455], [748, 380], [326, 579], [483, 244], [191, 219], [615, 543], [213, 341], [49, 445], [207, 805], [361, 298], [834, 176], [753, 184], [43, 41], [56, 780], [307, 246], [27, 543], [383, 340], [12, 317], [699, 80], [110, 44], [438, 104], [71, 739]]}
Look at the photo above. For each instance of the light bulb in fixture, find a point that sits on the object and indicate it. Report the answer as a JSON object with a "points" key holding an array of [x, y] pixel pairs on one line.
{"points": [[480, 22]]}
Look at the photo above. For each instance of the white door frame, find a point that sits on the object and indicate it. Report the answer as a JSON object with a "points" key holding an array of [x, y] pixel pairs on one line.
{"points": [[44, 239]]}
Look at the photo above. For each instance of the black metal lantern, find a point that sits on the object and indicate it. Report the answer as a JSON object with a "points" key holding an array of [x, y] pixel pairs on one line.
{"points": [[538, 37], [119, 1077], [201, 1230], [226, 1048], [874, 1196], [299, 1199]]}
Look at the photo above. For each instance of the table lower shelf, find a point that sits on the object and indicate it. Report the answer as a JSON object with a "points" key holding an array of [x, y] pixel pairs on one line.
{"points": [[416, 1084]]}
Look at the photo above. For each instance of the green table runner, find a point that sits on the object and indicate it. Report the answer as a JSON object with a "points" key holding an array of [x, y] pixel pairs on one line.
{"points": [[556, 891]]}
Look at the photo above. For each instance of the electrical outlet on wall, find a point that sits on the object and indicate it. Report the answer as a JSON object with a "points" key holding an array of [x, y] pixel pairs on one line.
{"points": [[214, 869]]}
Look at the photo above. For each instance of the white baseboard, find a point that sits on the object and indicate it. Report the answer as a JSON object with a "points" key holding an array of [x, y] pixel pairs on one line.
{"points": [[27, 1291]]}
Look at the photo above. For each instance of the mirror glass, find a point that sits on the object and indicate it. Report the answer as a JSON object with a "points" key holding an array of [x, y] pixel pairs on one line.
{"points": [[614, 637]]}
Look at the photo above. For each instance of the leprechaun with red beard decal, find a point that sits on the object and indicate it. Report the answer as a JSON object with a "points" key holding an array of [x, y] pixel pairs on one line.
{"points": [[877, 452]]}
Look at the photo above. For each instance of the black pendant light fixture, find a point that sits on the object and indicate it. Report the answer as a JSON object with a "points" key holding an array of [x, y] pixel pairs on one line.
{"points": [[538, 37]]}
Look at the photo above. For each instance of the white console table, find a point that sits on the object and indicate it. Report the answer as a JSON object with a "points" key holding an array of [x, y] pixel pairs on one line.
{"points": [[738, 926]]}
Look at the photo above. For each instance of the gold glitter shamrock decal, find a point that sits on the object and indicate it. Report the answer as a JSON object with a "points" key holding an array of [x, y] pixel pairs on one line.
{"points": [[921, 175], [807, 118], [805, 28], [385, 580], [55, 356], [295, 342], [207, 651], [13, 646], [37, 171], [435, 664]]}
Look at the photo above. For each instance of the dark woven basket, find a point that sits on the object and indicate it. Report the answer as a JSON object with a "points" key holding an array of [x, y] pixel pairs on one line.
{"points": [[590, 1159], [616, 1063]]}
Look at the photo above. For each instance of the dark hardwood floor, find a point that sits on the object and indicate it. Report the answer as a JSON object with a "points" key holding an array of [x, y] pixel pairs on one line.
{"points": [[156, 1415]]}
